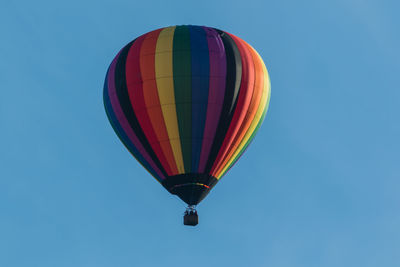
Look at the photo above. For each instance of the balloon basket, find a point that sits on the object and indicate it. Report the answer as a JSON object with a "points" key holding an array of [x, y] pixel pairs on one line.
{"points": [[190, 217]]}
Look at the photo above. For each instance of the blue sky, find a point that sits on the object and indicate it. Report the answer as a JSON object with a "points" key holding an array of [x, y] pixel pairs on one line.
{"points": [[318, 187]]}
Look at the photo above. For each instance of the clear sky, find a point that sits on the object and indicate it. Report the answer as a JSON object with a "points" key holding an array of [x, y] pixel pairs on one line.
{"points": [[320, 185]]}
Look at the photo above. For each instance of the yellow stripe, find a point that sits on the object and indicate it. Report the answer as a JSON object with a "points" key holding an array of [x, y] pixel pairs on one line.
{"points": [[165, 87], [257, 117]]}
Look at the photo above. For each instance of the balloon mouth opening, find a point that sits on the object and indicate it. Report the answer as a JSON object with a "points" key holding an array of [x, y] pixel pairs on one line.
{"points": [[188, 184], [191, 193], [192, 188]]}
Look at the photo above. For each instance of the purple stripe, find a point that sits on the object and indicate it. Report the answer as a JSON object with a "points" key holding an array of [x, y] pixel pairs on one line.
{"points": [[124, 122], [216, 92]]}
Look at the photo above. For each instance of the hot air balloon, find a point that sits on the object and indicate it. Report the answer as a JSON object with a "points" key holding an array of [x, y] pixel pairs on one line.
{"points": [[186, 101]]}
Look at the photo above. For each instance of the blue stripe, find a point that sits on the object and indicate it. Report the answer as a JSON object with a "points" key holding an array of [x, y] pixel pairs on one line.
{"points": [[200, 85]]}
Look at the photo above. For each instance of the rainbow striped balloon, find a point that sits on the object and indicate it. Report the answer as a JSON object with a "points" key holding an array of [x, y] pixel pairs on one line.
{"points": [[186, 101]]}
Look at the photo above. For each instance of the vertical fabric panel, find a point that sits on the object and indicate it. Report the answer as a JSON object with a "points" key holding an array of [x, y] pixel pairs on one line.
{"points": [[253, 107], [151, 99], [217, 63], [136, 96], [122, 135], [126, 106], [259, 118], [234, 71], [183, 93], [122, 125], [245, 94], [200, 86], [165, 87]]}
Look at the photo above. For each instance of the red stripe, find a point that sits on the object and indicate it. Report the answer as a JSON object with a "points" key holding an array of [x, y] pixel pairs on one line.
{"points": [[137, 99], [253, 107], [245, 94], [151, 98]]}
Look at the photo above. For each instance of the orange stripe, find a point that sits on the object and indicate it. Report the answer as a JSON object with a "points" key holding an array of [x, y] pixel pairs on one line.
{"points": [[257, 121], [243, 104], [253, 107], [152, 101]]}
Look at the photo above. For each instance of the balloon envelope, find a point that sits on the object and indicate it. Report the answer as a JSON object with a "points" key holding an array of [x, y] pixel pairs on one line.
{"points": [[186, 101]]}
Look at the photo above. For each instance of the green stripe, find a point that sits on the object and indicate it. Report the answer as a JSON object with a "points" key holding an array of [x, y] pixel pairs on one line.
{"points": [[251, 137], [183, 93]]}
